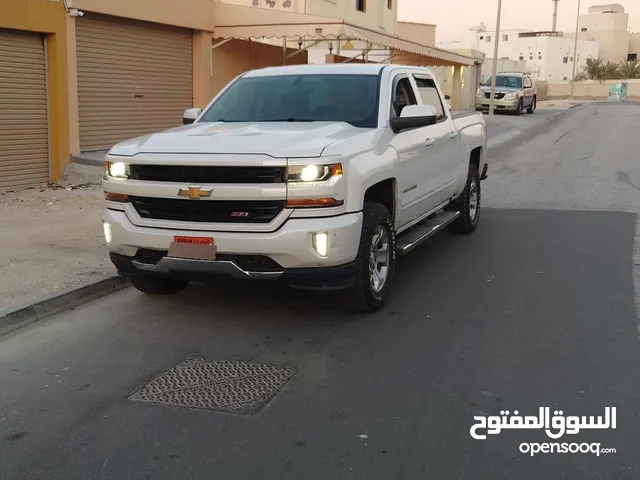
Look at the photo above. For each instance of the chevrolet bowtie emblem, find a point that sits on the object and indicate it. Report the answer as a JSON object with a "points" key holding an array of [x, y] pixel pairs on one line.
{"points": [[195, 193]]}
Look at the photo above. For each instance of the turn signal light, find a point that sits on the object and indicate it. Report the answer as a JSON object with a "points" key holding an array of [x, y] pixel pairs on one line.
{"points": [[116, 197], [314, 202]]}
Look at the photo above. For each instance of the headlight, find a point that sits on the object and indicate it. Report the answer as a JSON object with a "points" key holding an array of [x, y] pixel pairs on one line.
{"points": [[117, 169], [480, 92], [512, 95], [313, 173]]}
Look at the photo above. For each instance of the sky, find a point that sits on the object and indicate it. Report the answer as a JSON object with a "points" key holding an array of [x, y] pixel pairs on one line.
{"points": [[454, 17]]}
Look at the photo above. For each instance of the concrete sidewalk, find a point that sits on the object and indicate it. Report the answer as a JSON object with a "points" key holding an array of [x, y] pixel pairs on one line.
{"points": [[51, 240]]}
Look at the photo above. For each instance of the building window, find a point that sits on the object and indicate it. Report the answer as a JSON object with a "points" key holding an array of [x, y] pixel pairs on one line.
{"points": [[481, 37], [488, 38], [632, 57], [565, 60], [521, 57], [505, 38], [361, 5], [390, 4], [539, 56], [583, 29], [531, 56], [571, 59]]}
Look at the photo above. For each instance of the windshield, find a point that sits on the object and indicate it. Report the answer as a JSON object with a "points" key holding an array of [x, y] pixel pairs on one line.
{"points": [[506, 81], [299, 98]]}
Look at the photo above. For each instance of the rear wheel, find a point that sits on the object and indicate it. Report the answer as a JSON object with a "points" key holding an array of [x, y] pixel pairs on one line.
{"points": [[375, 263], [468, 204], [157, 285]]}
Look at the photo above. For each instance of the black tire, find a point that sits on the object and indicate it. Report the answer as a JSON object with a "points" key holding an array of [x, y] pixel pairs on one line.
{"points": [[157, 285], [362, 297], [520, 107], [467, 222], [532, 108]]}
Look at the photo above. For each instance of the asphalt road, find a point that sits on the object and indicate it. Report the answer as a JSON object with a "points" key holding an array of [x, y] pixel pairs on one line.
{"points": [[535, 309]]}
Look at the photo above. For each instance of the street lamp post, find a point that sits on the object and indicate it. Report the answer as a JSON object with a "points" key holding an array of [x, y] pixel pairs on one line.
{"points": [[494, 69], [575, 51]]}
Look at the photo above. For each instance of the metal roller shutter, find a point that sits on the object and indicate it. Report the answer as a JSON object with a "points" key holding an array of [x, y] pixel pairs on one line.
{"points": [[134, 78], [24, 133]]}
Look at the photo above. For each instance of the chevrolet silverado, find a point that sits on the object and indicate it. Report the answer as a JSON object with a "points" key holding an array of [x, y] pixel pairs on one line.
{"points": [[316, 175]]}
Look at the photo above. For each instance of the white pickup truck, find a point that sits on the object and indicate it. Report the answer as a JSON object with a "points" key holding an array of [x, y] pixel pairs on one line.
{"points": [[316, 175]]}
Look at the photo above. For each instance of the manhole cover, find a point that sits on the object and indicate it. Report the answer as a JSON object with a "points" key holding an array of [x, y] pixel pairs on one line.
{"points": [[223, 385]]}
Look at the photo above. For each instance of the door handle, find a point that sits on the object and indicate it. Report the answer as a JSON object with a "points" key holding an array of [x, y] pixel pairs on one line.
{"points": [[453, 135], [429, 142]]}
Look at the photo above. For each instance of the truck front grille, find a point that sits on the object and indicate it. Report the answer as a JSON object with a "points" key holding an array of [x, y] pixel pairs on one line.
{"points": [[499, 96], [212, 211], [206, 174]]}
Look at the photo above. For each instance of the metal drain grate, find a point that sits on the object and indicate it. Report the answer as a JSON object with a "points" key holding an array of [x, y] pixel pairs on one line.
{"points": [[223, 385]]}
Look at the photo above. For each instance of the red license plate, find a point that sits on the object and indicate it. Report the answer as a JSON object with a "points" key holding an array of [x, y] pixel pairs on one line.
{"points": [[194, 240]]}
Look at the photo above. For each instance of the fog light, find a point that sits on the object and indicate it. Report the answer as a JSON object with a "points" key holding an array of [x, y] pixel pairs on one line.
{"points": [[107, 231], [320, 243]]}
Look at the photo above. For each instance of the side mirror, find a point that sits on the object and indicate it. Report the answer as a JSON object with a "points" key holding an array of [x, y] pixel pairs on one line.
{"points": [[414, 116], [190, 115]]}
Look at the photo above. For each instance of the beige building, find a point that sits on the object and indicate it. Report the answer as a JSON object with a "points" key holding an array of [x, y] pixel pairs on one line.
{"points": [[609, 26]]}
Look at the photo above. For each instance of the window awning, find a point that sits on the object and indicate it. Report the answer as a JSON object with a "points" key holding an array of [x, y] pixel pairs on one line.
{"points": [[240, 22]]}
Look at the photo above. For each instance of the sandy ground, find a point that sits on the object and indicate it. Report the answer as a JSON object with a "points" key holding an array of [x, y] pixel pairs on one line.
{"points": [[51, 239]]}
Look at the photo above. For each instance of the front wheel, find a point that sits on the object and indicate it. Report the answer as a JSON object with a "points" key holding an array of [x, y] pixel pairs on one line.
{"points": [[375, 263], [157, 285], [532, 107], [468, 204], [520, 107]]}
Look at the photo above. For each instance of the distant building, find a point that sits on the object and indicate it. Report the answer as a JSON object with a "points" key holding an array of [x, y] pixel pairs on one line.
{"points": [[547, 55], [609, 26]]}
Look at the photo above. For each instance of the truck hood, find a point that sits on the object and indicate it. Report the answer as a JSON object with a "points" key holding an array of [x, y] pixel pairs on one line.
{"points": [[277, 139]]}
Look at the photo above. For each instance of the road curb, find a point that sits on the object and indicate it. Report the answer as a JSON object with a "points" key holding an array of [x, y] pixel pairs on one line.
{"points": [[22, 315], [510, 142]]}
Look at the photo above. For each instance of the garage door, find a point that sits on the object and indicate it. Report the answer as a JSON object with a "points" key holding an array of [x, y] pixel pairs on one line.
{"points": [[24, 142], [134, 78]]}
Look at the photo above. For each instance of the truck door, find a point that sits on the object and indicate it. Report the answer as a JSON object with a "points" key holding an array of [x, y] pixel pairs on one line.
{"points": [[442, 159], [410, 147]]}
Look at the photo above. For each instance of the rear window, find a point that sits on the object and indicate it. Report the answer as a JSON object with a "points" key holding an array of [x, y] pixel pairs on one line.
{"points": [[299, 98]]}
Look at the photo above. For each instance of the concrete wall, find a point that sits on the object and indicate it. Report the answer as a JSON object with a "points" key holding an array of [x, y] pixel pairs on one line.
{"points": [[377, 15], [634, 44], [591, 89], [196, 14], [423, 33], [551, 58], [297, 6], [470, 80], [49, 19]]}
